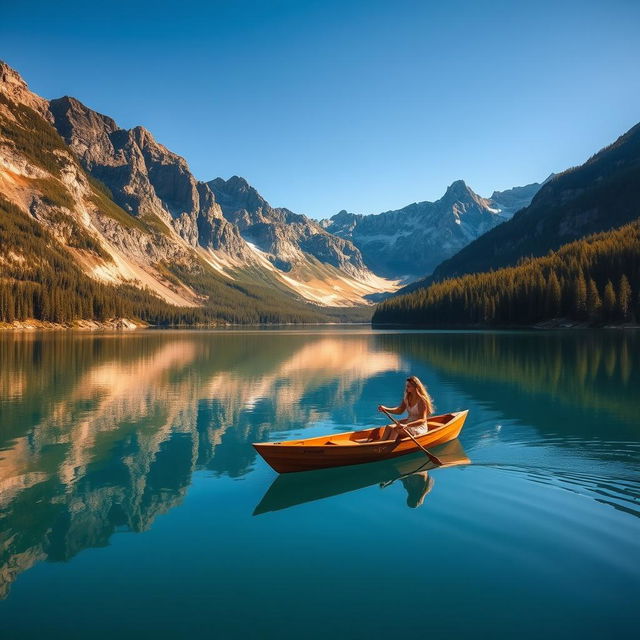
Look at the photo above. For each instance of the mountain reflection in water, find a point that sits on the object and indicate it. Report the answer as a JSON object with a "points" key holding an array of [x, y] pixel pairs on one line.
{"points": [[102, 433]]}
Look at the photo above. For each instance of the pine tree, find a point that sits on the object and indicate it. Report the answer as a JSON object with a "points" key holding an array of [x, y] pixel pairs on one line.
{"points": [[563, 282], [609, 302], [594, 303], [554, 296], [580, 297], [624, 299]]}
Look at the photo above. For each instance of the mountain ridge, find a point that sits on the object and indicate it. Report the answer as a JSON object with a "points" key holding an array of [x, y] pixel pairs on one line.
{"points": [[148, 221], [410, 242], [146, 178]]}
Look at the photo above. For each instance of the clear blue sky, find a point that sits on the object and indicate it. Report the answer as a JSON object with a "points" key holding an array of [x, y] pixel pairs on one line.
{"points": [[333, 104]]}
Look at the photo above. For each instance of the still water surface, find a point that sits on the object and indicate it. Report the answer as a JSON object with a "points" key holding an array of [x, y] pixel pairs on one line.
{"points": [[133, 505]]}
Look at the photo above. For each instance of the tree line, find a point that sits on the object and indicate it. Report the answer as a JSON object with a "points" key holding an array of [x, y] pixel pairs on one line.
{"points": [[594, 280]]}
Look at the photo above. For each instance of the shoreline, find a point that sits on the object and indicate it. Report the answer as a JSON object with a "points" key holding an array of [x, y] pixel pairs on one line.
{"points": [[116, 324], [547, 325], [127, 325]]}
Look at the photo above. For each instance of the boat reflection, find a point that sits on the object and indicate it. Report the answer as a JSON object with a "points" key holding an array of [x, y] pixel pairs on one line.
{"points": [[292, 489]]}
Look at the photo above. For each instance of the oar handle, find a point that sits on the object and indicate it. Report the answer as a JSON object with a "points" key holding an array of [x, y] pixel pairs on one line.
{"points": [[433, 458]]}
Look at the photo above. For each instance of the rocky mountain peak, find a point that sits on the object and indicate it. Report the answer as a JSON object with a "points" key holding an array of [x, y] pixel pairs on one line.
{"points": [[282, 234], [342, 223], [145, 178], [13, 86], [240, 202], [459, 191], [512, 200], [238, 182], [11, 81], [457, 186], [85, 130], [236, 194], [144, 137], [406, 242]]}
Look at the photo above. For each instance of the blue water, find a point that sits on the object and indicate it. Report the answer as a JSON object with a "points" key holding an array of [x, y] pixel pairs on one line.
{"points": [[133, 505]]}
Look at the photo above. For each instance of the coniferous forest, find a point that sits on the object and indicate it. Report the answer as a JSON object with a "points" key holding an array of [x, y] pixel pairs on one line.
{"points": [[594, 280]]}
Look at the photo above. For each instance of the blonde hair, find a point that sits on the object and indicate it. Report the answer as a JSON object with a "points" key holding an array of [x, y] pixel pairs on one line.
{"points": [[422, 393]]}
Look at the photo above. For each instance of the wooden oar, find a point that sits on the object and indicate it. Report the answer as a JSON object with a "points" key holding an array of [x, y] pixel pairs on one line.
{"points": [[433, 458]]}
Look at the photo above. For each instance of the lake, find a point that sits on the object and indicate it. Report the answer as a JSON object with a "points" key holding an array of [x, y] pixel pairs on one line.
{"points": [[133, 505]]}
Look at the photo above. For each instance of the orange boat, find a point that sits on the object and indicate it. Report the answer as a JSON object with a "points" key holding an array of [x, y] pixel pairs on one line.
{"points": [[355, 447], [293, 489]]}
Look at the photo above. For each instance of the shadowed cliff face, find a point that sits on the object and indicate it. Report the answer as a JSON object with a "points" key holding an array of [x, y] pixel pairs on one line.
{"points": [[103, 434]]}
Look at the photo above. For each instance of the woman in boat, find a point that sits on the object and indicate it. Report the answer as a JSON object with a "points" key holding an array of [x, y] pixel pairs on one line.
{"points": [[419, 406]]}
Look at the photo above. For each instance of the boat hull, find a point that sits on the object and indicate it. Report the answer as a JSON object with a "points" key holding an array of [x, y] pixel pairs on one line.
{"points": [[348, 448]]}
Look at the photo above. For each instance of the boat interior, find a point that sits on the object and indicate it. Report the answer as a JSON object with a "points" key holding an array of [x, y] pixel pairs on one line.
{"points": [[377, 435]]}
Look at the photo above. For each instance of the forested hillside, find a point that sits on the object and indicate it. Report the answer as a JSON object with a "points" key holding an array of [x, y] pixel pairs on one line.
{"points": [[50, 287], [595, 280], [601, 194]]}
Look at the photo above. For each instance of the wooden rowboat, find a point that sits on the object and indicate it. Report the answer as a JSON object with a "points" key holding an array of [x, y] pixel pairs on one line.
{"points": [[355, 447], [293, 489]]}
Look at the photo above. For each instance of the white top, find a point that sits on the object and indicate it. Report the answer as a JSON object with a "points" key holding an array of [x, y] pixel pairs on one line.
{"points": [[415, 414], [414, 410]]}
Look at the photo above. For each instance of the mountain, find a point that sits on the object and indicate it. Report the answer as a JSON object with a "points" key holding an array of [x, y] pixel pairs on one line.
{"points": [[68, 252], [147, 179], [144, 177], [603, 193], [320, 265], [282, 248], [285, 236], [94, 208], [410, 242], [512, 200]]}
